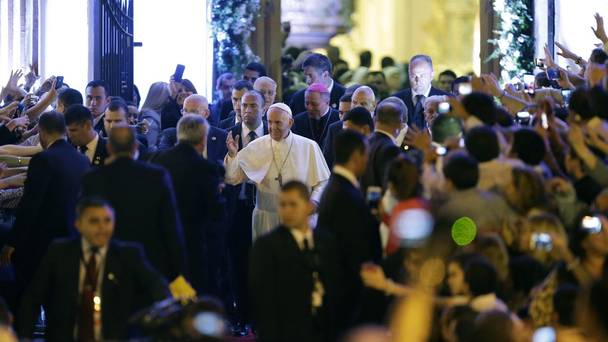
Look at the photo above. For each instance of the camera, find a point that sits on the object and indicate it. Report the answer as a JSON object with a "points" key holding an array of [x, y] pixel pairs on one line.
{"points": [[591, 224], [443, 108], [414, 227], [523, 118], [541, 242], [374, 195]]}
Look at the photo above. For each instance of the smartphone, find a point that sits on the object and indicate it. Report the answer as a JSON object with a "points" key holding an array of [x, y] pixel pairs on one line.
{"points": [[443, 108], [592, 224], [541, 242], [179, 73], [566, 93], [553, 74], [465, 88], [374, 195], [413, 227], [58, 82], [539, 63], [544, 121], [523, 118], [544, 334]]}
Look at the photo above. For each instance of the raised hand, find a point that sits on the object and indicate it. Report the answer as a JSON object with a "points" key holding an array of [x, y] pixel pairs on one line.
{"points": [[232, 144], [565, 52], [599, 31]]}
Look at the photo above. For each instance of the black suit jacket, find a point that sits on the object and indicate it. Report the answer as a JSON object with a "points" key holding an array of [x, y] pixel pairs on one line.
{"points": [[281, 283], [196, 183], [216, 143], [382, 150], [47, 208], [406, 96], [297, 100], [328, 144], [128, 281], [344, 213], [301, 126], [146, 210], [228, 122]]}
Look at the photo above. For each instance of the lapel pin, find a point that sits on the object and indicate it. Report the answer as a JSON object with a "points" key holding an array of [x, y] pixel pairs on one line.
{"points": [[111, 276], [213, 138]]}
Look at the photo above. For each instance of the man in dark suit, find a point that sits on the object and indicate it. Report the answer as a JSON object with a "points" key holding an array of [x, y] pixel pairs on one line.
{"points": [[83, 136], [97, 99], [241, 202], [315, 121], [389, 121], [234, 117], [117, 113], [358, 119], [215, 147], [72, 290], [421, 74], [46, 210], [143, 197], [196, 183], [223, 105], [344, 213], [317, 69], [294, 275]]}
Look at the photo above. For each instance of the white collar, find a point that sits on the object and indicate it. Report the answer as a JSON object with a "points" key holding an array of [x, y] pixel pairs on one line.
{"points": [[299, 237], [346, 173], [86, 249], [387, 134], [259, 131], [426, 94]]}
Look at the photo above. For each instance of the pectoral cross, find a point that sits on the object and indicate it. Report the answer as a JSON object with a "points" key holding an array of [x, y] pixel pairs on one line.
{"points": [[280, 179]]}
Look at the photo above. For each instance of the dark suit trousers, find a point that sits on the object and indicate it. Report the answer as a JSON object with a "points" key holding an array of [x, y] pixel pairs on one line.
{"points": [[239, 247]]}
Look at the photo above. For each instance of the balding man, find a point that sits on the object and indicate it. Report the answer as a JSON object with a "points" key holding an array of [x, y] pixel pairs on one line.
{"points": [[143, 198], [364, 97], [315, 121], [421, 74], [271, 161], [215, 149], [196, 183], [383, 147], [268, 88]]}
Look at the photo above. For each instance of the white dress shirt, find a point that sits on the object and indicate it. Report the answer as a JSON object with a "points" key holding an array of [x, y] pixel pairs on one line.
{"points": [[91, 147], [259, 131], [100, 260], [318, 290]]}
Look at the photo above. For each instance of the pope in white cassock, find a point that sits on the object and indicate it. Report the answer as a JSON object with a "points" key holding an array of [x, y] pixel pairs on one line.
{"points": [[271, 161]]}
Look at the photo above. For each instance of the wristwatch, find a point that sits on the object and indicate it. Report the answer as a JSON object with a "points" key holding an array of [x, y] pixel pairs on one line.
{"points": [[578, 60]]}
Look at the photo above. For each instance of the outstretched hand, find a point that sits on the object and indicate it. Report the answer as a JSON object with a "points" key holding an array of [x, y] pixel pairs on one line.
{"points": [[599, 30]]}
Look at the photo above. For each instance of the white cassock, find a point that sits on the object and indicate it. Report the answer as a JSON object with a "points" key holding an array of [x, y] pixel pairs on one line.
{"points": [[295, 158]]}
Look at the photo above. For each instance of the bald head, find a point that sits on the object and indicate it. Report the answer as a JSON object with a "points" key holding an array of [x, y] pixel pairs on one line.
{"points": [[364, 97], [268, 88], [389, 117], [121, 141], [196, 104]]}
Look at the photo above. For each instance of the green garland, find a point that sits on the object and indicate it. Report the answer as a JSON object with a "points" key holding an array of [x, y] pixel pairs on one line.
{"points": [[514, 38], [232, 24]]}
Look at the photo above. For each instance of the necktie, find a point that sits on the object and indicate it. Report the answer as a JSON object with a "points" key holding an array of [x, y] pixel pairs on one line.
{"points": [[252, 136], [86, 330], [248, 190], [317, 286], [83, 149], [418, 118]]}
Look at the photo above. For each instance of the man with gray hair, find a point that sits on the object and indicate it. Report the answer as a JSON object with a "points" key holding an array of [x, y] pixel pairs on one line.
{"points": [[215, 149], [421, 74], [196, 184], [268, 88]]}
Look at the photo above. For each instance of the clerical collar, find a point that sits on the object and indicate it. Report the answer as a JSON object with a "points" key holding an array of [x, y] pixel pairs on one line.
{"points": [[346, 173]]}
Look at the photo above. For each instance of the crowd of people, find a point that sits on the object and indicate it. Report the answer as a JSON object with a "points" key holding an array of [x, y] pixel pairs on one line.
{"points": [[358, 205]]}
